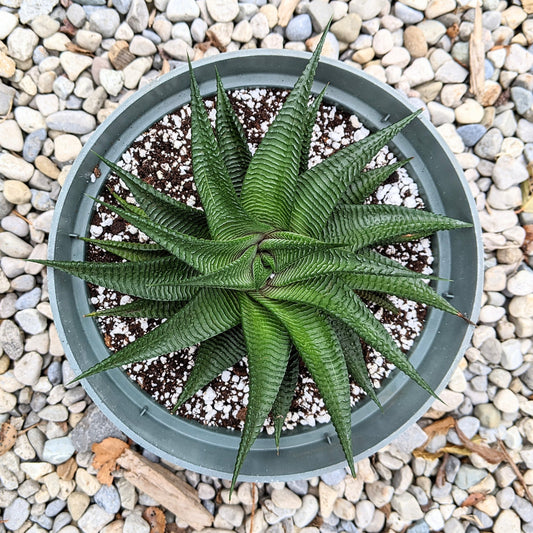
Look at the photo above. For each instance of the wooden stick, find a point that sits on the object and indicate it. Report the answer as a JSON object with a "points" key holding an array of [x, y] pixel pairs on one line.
{"points": [[477, 54], [166, 488]]}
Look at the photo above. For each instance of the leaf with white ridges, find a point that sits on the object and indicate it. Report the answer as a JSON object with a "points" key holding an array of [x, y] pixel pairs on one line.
{"points": [[321, 352], [141, 309], [161, 208], [312, 111], [134, 278], [203, 254], [270, 182], [231, 139], [361, 226], [268, 345], [213, 357], [378, 299], [337, 299], [324, 184], [238, 275], [225, 216], [132, 251], [355, 359], [367, 182], [410, 289], [208, 313], [286, 392], [335, 261]]}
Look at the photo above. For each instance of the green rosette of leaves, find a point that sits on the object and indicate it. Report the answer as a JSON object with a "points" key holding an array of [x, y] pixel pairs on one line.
{"points": [[273, 268]]}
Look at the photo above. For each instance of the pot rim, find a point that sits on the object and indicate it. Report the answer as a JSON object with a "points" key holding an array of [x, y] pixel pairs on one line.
{"points": [[397, 390]]}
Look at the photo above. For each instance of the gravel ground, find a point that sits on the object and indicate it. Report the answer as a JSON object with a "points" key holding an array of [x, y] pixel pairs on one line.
{"points": [[65, 66]]}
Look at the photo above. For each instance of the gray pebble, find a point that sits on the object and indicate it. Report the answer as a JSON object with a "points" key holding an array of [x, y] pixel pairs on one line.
{"points": [[108, 499], [61, 520], [15, 225], [299, 486], [63, 87], [468, 475], [471, 133], [54, 413], [23, 283], [94, 427], [299, 28], [489, 145], [76, 15], [57, 451], [104, 21], [55, 507], [16, 514], [33, 144], [198, 29], [5, 206], [12, 339], [334, 477], [54, 373], [122, 6]]}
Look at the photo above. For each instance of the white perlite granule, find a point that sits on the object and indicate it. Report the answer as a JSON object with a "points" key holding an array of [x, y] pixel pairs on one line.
{"points": [[164, 148]]}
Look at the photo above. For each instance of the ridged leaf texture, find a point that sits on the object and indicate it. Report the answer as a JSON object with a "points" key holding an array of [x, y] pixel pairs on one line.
{"points": [[275, 268]]}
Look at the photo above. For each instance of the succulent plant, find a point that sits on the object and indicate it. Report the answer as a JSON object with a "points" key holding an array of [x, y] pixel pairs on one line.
{"points": [[273, 267]]}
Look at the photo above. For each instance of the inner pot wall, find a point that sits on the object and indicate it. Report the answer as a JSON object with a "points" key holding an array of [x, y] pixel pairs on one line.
{"points": [[305, 451]]}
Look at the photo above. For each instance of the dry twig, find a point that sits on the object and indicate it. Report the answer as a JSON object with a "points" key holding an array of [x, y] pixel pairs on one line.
{"points": [[477, 54]]}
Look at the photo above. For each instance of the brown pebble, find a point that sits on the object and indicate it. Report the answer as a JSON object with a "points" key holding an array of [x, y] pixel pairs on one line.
{"points": [[47, 167], [120, 55], [415, 42]]}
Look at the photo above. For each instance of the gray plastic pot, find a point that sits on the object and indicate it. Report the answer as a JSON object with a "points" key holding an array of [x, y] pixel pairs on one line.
{"points": [[305, 452]]}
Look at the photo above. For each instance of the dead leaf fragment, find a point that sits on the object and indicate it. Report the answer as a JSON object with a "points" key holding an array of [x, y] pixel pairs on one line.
{"points": [[528, 241], [440, 427], [473, 499], [71, 47], [214, 41], [105, 460], [8, 436], [67, 469], [489, 454], [156, 519]]}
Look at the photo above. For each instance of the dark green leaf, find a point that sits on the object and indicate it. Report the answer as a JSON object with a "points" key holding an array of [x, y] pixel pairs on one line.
{"points": [[361, 226], [132, 251], [226, 218], [283, 401], [213, 357], [160, 208], [134, 278], [208, 313], [268, 346], [310, 122], [238, 275], [202, 254], [355, 359], [378, 299], [321, 352], [330, 261], [270, 182], [324, 184], [337, 299], [141, 309], [231, 139], [411, 289], [367, 182]]}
